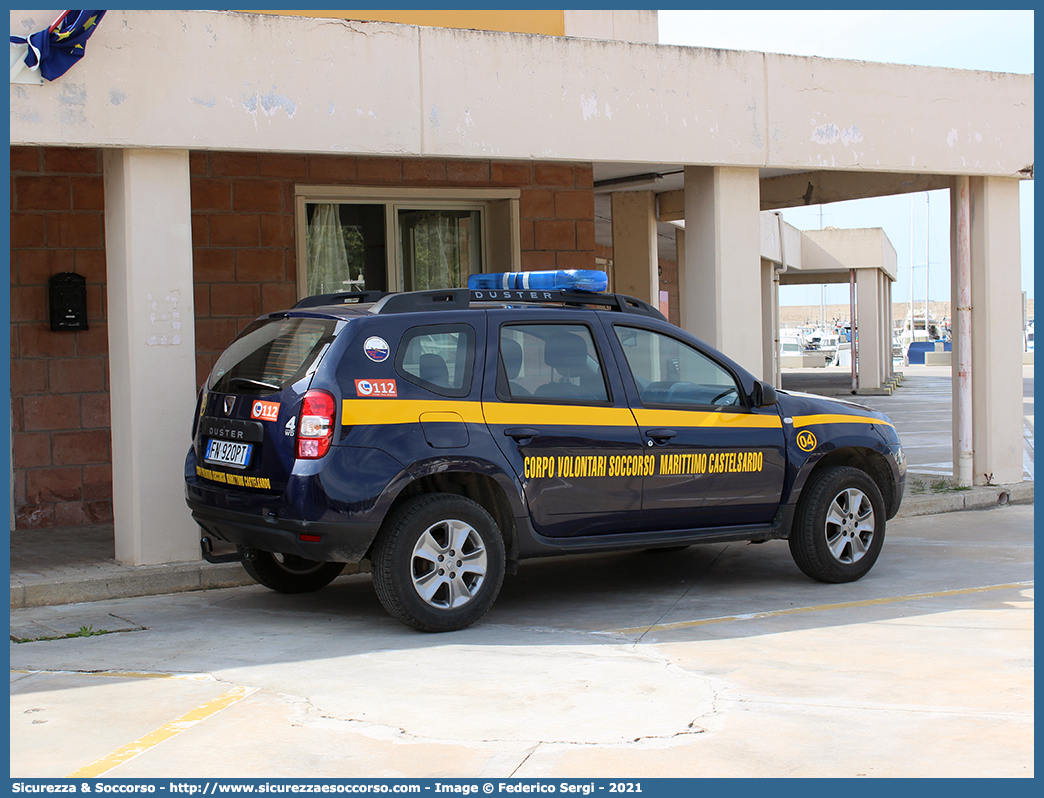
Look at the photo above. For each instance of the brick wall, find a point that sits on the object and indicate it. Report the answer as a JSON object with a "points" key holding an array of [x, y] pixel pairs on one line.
{"points": [[59, 380], [244, 264], [243, 223]]}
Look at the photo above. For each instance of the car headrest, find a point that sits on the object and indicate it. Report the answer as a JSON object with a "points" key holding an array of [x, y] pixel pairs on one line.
{"points": [[565, 351], [511, 352]]}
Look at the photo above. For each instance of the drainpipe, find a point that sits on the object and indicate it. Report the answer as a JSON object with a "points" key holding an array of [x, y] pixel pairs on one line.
{"points": [[964, 339]]}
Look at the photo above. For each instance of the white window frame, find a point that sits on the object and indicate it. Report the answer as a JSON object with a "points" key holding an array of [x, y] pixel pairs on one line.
{"points": [[500, 229]]}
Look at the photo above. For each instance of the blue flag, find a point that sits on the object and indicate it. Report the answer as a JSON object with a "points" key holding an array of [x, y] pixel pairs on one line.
{"points": [[60, 46]]}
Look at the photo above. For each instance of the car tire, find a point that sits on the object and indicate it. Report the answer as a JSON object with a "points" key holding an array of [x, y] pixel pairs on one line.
{"points": [[287, 573], [438, 562], [839, 526]]}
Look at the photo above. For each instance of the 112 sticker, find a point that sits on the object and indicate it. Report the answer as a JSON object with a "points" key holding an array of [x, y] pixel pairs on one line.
{"points": [[266, 411], [376, 388]]}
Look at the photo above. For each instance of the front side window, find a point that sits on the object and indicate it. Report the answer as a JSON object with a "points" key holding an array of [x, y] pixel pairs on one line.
{"points": [[669, 372], [439, 358], [556, 362]]}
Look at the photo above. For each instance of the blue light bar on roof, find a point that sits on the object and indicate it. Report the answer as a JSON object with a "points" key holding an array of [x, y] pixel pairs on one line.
{"points": [[590, 280]]}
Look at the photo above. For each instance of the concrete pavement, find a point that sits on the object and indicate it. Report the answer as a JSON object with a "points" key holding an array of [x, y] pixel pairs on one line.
{"points": [[714, 661]]}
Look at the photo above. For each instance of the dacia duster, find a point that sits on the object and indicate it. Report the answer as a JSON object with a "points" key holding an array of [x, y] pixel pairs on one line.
{"points": [[446, 435]]}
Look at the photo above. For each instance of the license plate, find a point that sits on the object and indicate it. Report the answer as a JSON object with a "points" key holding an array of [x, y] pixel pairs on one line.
{"points": [[228, 453]]}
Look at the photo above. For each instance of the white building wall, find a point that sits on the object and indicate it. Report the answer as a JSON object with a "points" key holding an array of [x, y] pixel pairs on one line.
{"points": [[622, 25]]}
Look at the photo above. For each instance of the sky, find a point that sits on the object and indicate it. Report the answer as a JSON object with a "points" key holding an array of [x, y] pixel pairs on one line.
{"points": [[997, 41]]}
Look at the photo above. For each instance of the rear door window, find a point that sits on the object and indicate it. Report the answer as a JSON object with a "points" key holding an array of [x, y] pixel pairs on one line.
{"points": [[271, 354], [438, 357]]}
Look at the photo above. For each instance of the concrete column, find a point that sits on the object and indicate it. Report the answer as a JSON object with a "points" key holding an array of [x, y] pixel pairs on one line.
{"points": [[635, 261], [152, 351], [770, 321], [996, 296], [722, 267], [679, 258], [868, 313], [886, 316]]}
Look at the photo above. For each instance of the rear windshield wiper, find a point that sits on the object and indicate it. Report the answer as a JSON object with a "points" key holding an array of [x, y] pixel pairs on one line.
{"points": [[248, 381]]}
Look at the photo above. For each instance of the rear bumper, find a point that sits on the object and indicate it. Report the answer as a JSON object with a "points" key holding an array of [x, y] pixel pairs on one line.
{"points": [[324, 541]]}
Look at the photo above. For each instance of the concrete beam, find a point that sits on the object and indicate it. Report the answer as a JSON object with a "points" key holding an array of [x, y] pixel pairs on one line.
{"points": [[855, 248], [820, 188]]}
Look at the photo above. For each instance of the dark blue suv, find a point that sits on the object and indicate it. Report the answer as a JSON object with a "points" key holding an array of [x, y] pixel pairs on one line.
{"points": [[446, 435]]}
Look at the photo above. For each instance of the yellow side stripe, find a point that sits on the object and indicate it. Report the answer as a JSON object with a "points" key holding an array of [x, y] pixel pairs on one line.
{"points": [[106, 763], [563, 415], [408, 411], [664, 627], [404, 411], [697, 418], [837, 418]]}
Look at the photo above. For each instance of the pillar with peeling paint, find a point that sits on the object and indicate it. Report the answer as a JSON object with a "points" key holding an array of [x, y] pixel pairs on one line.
{"points": [[152, 351]]}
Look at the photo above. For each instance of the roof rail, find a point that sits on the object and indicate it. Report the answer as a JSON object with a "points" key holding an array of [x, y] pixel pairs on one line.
{"points": [[618, 302], [341, 298], [461, 299], [447, 299]]}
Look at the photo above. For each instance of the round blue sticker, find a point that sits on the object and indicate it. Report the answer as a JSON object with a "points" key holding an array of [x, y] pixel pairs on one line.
{"points": [[376, 349]]}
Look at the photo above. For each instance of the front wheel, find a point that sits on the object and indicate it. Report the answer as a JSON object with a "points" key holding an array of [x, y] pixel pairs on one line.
{"points": [[839, 526], [287, 573], [438, 563]]}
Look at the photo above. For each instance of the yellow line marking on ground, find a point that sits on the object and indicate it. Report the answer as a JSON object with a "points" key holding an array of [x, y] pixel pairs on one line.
{"points": [[163, 733], [197, 677], [662, 627]]}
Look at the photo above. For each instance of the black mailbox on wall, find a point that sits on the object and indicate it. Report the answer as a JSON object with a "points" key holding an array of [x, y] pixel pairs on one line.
{"points": [[68, 300]]}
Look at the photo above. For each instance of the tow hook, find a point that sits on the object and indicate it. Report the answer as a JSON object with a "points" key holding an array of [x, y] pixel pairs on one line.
{"points": [[206, 546]]}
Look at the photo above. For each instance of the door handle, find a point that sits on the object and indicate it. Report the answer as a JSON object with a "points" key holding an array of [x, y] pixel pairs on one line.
{"points": [[661, 435], [522, 433]]}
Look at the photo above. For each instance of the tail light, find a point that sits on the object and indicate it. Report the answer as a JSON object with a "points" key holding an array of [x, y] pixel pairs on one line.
{"points": [[316, 425]]}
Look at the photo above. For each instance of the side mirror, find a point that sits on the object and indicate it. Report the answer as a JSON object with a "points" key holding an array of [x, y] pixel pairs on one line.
{"points": [[764, 395]]}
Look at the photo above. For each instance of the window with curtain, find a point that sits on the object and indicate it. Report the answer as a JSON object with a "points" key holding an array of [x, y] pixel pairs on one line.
{"points": [[345, 248], [365, 238], [440, 247]]}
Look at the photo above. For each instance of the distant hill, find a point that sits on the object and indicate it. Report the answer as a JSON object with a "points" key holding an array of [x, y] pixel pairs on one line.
{"points": [[796, 315]]}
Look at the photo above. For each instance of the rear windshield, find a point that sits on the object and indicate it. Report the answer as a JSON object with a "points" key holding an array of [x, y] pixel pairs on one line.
{"points": [[271, 354]]}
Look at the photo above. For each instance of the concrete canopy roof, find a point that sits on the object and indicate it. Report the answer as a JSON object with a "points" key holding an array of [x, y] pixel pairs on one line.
{"points": [[828, 255], [237, 81], [819, 130]]}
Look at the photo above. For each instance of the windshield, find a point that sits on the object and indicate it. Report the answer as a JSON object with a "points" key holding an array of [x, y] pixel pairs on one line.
{"points": [[271, 354]]}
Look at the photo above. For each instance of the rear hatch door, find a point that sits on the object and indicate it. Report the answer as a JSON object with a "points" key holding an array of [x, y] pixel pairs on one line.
{"points": [[248, 418]]}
